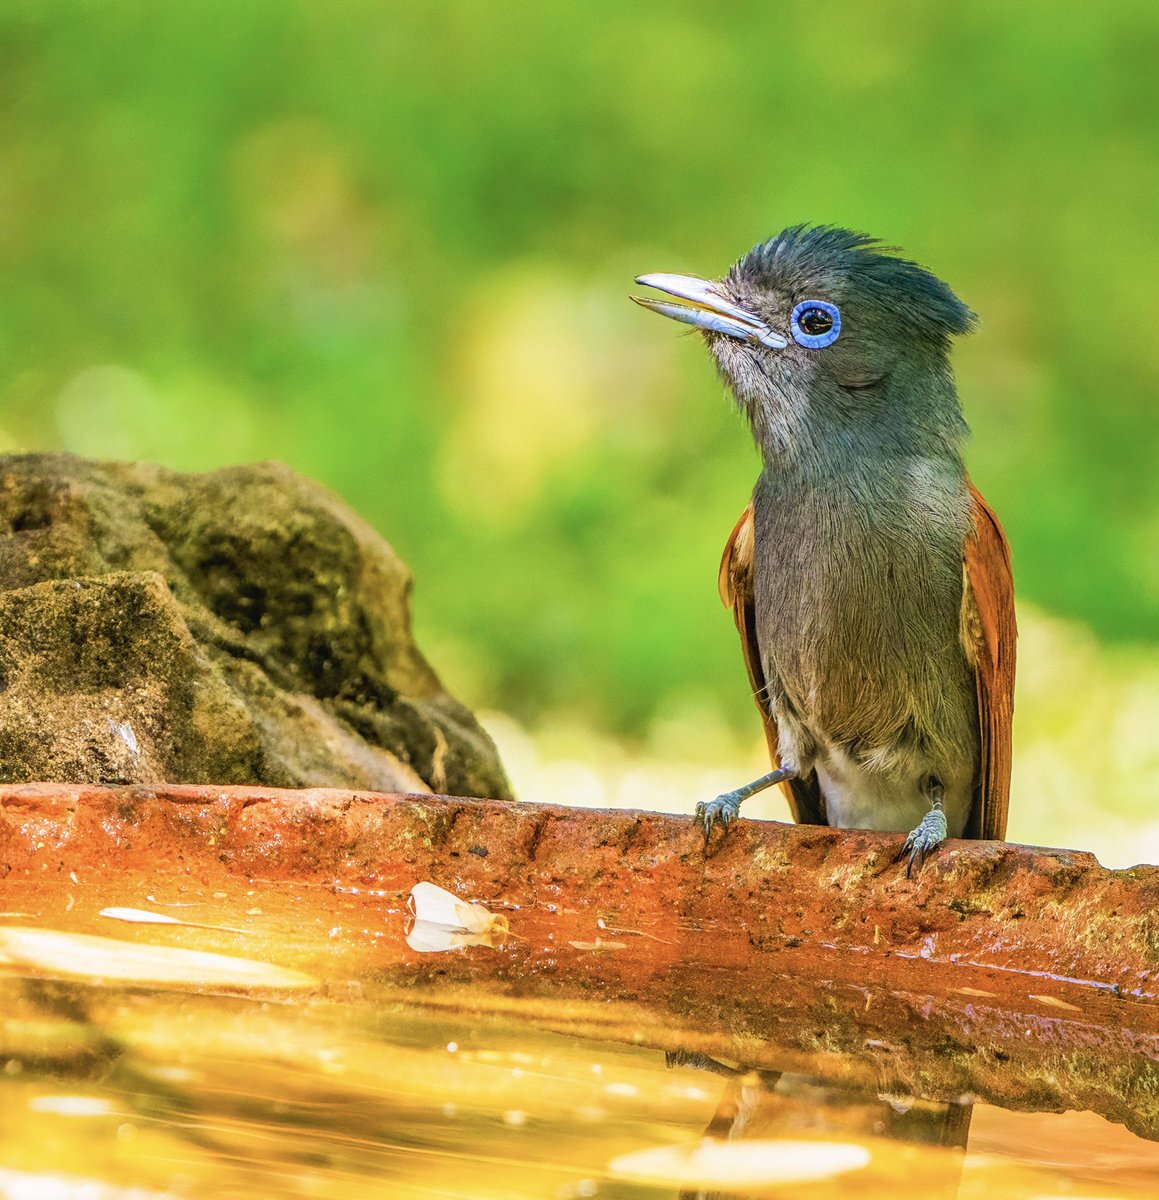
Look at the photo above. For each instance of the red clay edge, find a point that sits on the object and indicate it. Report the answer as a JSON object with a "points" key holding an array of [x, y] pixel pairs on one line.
{"points": [[1058, 912]]}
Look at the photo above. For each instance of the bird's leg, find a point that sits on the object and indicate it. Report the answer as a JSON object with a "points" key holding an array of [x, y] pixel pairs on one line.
{"points": [[700, 1062], [726, 807], [932, 830]]}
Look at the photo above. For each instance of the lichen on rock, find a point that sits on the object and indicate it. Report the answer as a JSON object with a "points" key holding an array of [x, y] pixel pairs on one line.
{"points": [[241, 626]]}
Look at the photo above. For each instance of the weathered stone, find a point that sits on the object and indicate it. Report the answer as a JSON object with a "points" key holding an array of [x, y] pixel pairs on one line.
{"points": [[242, 626]]}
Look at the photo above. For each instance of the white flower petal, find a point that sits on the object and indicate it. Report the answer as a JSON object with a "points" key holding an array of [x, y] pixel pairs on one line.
{"points": [[437, 906]]}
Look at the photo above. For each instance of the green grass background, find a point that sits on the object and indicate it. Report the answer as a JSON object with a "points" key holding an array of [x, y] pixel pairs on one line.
{"points": [[392, 244]]}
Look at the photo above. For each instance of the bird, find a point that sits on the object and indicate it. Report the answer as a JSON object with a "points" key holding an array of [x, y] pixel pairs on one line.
{"points": [[870, 582]]}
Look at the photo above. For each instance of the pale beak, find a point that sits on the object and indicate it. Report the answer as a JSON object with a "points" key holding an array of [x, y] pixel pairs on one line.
{"points": [[707, 309]]}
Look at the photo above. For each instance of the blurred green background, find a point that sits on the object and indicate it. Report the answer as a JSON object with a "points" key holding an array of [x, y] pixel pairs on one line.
{"points": [[392, 245]]}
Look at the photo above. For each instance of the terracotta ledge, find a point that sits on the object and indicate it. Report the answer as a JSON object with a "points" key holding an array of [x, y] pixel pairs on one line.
{"points": [[1030, 910]]}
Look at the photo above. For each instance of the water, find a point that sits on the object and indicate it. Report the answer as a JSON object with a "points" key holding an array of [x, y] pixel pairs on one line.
{"points": [[549, 1065]]}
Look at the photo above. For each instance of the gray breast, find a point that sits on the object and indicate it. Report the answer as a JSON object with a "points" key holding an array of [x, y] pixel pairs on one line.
{"points": [[858, 604]]}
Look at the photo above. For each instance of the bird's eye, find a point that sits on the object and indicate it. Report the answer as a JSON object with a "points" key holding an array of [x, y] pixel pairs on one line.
{"points": [[816, 324]]}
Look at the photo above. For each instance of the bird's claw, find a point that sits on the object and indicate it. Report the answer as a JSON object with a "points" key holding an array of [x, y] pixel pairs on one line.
{"points": [[725, 809], [930, 833]]}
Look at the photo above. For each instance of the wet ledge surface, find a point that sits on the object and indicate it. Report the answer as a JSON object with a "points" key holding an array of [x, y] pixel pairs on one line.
{"points": [[1020, 976]]}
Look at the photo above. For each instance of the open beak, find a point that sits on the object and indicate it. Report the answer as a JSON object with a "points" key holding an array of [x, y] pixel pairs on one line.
{"points": [[707, 309]]}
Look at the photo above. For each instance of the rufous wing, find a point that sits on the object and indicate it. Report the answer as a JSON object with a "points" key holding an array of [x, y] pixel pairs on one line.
{"points": [[736, 590], [989, 636]]}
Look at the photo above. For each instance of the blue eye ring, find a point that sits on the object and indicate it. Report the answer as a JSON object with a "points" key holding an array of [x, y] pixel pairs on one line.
{"points": [[814, 312]]}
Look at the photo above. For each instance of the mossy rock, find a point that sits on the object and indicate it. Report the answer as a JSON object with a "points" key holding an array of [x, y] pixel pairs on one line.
{"points": [[242, 626]]}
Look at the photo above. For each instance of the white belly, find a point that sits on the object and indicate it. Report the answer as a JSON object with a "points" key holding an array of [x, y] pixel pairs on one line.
{"points": [[858, 798]]}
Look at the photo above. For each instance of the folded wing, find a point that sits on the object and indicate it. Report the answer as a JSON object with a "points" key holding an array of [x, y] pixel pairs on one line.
{"points": [[736, 590], [989, 636]]}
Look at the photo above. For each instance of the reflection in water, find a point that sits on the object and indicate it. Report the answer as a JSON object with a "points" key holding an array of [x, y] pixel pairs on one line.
{"points": [[335, 1050], [427, 937], [766, 1105], [146, 1092]]}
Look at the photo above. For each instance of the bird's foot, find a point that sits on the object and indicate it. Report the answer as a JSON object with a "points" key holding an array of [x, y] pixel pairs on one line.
{"points": [[725, 809], [932, 830]]}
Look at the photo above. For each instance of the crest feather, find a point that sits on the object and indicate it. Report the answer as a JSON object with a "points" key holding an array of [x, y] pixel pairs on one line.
{"points": [[851, 263]]}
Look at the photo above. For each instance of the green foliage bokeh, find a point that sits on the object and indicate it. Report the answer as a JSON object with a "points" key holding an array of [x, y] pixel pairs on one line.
{"points": [[392, 244]]}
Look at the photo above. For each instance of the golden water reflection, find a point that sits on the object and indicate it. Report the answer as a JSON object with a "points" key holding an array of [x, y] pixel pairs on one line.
{"points": [[120, 1093]]}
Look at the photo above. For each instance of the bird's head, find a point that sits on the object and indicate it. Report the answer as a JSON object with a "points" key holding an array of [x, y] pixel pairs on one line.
{"points": [[830, 343]]}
